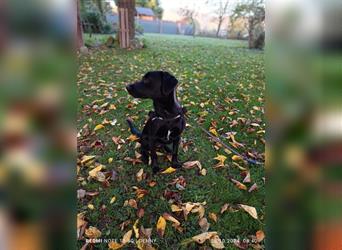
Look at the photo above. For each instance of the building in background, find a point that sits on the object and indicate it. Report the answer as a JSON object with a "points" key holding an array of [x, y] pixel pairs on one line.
{"points": [[145, 13]]}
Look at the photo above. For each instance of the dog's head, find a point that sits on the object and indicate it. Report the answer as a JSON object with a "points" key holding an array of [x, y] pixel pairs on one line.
{"points": [[154, 85]]}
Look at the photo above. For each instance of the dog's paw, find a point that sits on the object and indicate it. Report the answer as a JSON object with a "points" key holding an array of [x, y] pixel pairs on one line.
{"points": [[155, 169]]}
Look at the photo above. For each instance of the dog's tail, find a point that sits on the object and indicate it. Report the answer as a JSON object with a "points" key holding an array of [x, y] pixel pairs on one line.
{"points": [[133, 129]]}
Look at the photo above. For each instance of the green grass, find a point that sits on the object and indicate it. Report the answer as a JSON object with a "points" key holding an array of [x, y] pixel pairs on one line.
{"points": [[209, 71]]}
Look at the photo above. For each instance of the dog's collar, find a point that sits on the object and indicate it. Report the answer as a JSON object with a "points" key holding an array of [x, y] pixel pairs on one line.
{"points": [[166, 119]]}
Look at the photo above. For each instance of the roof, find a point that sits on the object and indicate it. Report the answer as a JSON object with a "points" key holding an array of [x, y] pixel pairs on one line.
{"points": [[144, 11]]}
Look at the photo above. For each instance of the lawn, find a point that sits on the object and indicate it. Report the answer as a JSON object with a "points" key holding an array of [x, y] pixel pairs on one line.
{"points": [[221, 83]]}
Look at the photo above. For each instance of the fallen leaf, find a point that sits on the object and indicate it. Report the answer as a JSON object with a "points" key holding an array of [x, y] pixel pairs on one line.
{"points": [[175, 208], [213, 131], [216, 242], [224, 208], [260, 235], [81, 193], [201, 238], [91, 206], [136, 229], [94, 171], [213, 216], [139, 175], [161, 224], [239, 185], [87, 158], [237, 158], [114, 245], [152, 183], [251, 210], [140, 212], [132, 203], [191, 164], [133, 138], [127, 237], [92, 232], [169, 170], [171, 218], [98, 127], [221, 159], [112, 200], [203, 172], [247, 178], [203, 223], [110, 160], [253, 187]]}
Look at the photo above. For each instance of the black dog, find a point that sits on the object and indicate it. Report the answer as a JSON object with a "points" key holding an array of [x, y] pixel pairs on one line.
{"points": [[166, 122]]}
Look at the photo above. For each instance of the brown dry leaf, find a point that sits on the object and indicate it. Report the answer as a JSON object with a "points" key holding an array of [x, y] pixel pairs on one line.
{"points": [[161, 224], [192, 164], [127, 237], [134, 161], [80, 220], [253, 187], [260, 235], [152, 183], [216, 242], [92, 232], [224, 208], [133, 138], [133, 203], [239, 185], [140, 212], [100, 176], [201, 238], [247, 178], [140, 174], [203, 223], [171, 218], [251, 210], [213, 216], [140, 192]]}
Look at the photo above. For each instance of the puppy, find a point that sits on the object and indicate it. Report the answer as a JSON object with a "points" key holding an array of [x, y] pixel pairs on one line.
{"points": [[166, 123]]}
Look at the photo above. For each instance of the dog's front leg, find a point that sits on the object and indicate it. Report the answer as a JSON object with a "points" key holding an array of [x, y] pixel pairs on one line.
{"points": [[175, 162], [144, 150]]}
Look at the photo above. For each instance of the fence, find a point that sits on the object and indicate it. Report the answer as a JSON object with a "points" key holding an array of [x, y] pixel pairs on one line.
{"points": [[156, 26]]}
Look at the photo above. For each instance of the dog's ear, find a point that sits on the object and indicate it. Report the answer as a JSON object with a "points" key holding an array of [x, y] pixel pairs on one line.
{"points": [[169, 82]]}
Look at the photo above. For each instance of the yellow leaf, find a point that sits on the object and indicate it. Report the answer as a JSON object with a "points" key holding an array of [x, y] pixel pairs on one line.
{"points": [[213, 131], [203, 172], [94, 171], [110, 160], [237, 158], [169, 170], [112, 107], [133, 138], [91, 206], [136, 229], [112, 200], [213, 216], [221, 159], [251, 210], [114, 245], [92, 232], [87, 158], [216, 242], [99, 126], [175, 208], [161, 224], [127, 237]]}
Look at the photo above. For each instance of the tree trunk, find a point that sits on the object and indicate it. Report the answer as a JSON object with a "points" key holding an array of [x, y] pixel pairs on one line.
{"points": [[219, 27], [79, 32], [126, 26], [250, 33]]}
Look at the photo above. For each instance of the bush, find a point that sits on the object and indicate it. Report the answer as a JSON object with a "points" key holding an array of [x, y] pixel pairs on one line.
{"points": [[139, 29], [107, 29], [95, 22]]}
